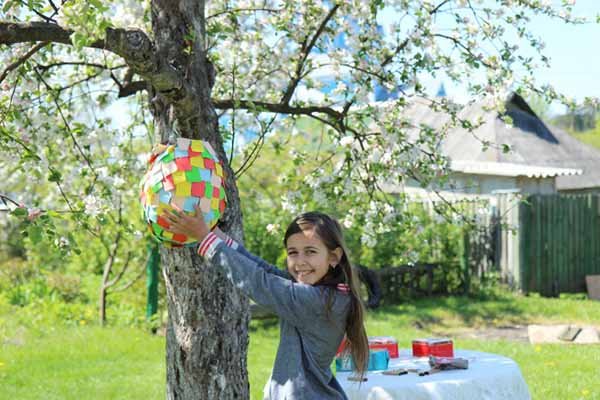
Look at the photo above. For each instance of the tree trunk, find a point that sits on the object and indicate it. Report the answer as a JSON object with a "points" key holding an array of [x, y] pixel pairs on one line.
{"points": [[207, 332], [110, 261], [102, 304]]}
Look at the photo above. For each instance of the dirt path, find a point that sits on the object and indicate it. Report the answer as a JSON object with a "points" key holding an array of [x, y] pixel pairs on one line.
{"points": [[520, 333], [516, 333]]}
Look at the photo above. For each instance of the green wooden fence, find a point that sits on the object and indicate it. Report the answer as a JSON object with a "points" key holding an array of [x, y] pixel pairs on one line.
{"points": [[559, 242]]}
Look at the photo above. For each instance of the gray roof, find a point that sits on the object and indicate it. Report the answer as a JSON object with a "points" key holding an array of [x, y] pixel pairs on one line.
{"points": [[532, 142], [510, 169]]}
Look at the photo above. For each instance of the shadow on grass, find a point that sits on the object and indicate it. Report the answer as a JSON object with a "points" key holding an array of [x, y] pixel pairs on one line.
{"points": [[262, 324], [483, 309]]}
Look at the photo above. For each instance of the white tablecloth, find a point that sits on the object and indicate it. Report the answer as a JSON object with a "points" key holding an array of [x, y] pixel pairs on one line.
{"points": [[489, 377]]}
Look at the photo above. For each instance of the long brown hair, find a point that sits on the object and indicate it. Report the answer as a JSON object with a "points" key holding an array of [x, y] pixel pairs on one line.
{"points": [[330, 232]]}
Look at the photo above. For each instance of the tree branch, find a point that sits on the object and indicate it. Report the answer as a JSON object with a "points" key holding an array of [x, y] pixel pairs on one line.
{"points": [[67, 126], [111, 260], [437, 8], [405, 42], [21, 60], [132, 88], [42, 16], [131, 282], [82, 63], [275, 107], [72, 85], [6, 198], [467, 49], [53, 6], [237, 10], [127, 88], [121, 273], [133, 45], [304, 52], [255, 150], [398, 49], [20, 32]]}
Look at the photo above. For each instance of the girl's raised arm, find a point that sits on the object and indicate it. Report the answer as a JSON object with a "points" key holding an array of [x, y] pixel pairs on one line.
{"points": [[242, 250], [298, 303]]}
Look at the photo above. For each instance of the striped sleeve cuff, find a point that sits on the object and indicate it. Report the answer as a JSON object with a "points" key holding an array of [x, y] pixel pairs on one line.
{"points": [[209, 245], [231, 243]]}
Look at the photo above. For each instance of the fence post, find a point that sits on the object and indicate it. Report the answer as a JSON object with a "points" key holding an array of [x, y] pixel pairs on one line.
{"points": [[152, 280], [464, 261], [524, 232]]}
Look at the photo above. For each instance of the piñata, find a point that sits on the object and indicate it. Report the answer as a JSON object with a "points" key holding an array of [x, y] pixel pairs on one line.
{"points": [[180, 177]]}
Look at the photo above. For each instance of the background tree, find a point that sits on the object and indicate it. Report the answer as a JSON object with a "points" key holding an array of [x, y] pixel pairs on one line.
{"points": [[260, 65]]}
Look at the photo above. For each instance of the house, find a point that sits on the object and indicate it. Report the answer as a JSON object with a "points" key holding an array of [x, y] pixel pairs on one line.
{"points": [[540, 159]]}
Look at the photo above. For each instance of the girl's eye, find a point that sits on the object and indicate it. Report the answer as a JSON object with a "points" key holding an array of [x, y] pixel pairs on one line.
{"points": [[291, 253]]}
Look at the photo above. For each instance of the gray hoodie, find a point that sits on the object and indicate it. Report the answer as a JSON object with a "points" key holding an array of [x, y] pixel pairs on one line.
{"points": [[309, 337]]}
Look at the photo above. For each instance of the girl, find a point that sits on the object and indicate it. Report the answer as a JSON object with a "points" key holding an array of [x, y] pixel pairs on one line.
{"points": [[316, 299]]}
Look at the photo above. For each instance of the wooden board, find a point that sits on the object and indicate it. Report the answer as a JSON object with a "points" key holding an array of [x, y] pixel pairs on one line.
{"points": [[593, 286]]}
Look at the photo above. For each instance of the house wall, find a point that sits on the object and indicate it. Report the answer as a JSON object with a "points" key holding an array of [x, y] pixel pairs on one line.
{"points": [[469, 184], [482, 184], [471, 187], [536, 185]]}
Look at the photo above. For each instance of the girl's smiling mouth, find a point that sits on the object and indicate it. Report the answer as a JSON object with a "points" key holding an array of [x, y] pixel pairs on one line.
{"points": [[304, 272]]}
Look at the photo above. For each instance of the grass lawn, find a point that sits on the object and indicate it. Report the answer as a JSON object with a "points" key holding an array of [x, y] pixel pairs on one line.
{"points": [[84, 363], [120, 363]]}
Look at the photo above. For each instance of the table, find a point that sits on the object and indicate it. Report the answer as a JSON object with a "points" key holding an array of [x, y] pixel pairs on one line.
{"points": [[489, 377]]}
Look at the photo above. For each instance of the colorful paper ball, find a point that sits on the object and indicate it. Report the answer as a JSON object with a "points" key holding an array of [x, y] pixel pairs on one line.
{"points": [[180, 177]]}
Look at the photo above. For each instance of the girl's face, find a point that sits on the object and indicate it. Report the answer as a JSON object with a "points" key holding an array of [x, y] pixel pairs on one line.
{"points": [[308, 259]]}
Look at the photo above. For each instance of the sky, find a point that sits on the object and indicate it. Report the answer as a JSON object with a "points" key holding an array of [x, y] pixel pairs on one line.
{"points": [[573, 51]]}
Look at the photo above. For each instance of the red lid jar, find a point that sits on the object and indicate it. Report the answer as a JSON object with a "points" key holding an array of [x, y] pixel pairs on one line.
{"points": [[439, 347], [384, 342], [388, 343]]}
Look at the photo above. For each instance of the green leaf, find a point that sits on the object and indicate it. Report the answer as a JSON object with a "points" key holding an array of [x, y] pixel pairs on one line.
{"points": [[104, 24], [54, 176], [19, 212], [79, 40], [72, 240], [96, 3], [7, 6], [53, 214], [35, 234]]}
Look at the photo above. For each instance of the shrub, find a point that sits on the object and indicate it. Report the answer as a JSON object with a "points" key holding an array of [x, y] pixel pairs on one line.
{"points": [[68, 288]]}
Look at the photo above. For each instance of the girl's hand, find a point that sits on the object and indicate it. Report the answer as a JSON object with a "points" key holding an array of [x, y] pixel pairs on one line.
{"points": [[220, 234], [192, 226]]}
